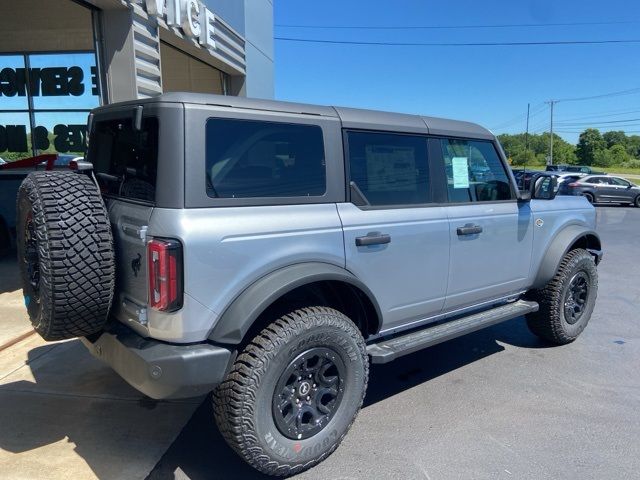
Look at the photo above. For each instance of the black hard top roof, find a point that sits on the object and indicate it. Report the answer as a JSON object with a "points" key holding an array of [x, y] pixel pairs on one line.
{"points": [[350, 117]]}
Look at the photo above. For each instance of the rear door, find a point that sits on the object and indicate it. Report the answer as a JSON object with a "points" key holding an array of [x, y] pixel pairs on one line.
{"points": [[125, 164], [396, 238], [490, 231]]}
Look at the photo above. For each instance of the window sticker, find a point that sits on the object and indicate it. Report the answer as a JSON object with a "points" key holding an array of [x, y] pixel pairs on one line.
{"points": [[460, 172]]}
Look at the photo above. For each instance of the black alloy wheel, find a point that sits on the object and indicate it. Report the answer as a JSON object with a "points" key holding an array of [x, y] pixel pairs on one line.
{"points": [[575, 298], [308, 393]]}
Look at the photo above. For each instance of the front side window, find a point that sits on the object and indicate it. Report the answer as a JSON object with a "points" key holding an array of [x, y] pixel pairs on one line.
{"points": [[620, 182], [253, 159], [389, 169], [474, 172]]}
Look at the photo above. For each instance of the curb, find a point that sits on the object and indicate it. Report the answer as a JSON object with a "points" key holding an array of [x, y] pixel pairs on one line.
{"points": [[17, 339]]}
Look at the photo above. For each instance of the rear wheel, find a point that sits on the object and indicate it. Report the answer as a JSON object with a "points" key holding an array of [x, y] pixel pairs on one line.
{"points": [[589, 197], [567, 301], [65, 254], [637, 201], [294, 391]]}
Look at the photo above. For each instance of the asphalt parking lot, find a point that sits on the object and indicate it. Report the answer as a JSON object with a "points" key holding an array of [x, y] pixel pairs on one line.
{"points": [[498, 403]]}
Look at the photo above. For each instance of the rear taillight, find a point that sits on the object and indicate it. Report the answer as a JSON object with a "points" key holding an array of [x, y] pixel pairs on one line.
{"points": [[165, 274], [573, 184]]}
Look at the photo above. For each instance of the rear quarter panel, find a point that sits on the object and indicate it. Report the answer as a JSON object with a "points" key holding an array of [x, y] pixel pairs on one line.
{"points": [[227, 249]]}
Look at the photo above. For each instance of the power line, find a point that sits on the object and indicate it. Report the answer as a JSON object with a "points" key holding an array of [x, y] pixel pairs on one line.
{"points": [[609, 113], [577, 124], [453, 44], [448, 27], [604, 95]]}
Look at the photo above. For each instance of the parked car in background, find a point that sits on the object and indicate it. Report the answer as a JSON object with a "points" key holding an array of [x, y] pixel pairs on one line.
{"points": [[564, 179], [556, 168], [605, 189], [584, 169]]}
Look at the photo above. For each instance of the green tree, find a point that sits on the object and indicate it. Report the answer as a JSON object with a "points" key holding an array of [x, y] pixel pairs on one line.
{"points": [[589, 143], [523, 157], [615, 138], [619, 154], [633, 145]]}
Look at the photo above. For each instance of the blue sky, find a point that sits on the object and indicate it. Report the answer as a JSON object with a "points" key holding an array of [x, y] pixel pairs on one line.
{"points": [[488, 85]]}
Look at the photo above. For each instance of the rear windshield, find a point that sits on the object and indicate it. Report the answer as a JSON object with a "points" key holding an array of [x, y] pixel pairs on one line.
{"points": [[125, 161], [247, 158]]}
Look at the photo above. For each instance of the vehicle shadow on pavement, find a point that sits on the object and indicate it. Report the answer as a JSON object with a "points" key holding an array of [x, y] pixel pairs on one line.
{"points": [[420, 367], [201, 453], [9, 274]]}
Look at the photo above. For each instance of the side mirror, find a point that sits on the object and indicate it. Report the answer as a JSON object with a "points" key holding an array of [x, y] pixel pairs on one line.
{"points": [[524, 196], [544, 188]]}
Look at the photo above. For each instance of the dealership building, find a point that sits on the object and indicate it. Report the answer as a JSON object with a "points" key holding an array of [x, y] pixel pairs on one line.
{"points": [[61, 58]]}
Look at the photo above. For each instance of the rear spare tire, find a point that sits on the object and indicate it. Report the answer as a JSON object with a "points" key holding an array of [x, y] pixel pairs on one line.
{"points": [[65, 254]]}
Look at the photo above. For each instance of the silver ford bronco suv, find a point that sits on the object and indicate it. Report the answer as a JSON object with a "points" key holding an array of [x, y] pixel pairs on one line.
{"points": [[268, 251]]}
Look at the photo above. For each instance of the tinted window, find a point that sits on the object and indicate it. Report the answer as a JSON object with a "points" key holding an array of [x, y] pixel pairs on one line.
{"points": [[389, 169], [125, 161], [619, 182], [595, 180], [248, 158], [474, 172]]}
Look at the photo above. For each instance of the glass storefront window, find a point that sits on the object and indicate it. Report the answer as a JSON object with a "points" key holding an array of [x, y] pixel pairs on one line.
{"points": [[13, 92], [44, 103], [15, 136], [66, 80]]}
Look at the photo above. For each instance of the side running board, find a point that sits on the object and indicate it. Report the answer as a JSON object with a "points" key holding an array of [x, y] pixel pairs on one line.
{"points": [[387, 350]]}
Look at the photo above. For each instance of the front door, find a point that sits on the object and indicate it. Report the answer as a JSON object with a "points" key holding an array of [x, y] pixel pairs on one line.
{"points": [[396, 239], [490, 232]]}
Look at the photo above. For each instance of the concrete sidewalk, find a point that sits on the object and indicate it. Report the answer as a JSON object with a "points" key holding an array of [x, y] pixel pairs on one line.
{"points": [[63, 414], [14, 322]]}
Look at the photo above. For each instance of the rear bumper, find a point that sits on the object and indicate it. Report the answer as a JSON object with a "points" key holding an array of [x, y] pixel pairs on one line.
{"points": [[161, 370]]}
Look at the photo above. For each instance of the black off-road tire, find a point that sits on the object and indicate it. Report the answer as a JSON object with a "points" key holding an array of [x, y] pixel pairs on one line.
{"points": [[550, 322], [65, 254], [244, 405]]}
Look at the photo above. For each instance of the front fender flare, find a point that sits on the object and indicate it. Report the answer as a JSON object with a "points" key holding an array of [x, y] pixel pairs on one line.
{"points": [[247, 307], [560, 246]]}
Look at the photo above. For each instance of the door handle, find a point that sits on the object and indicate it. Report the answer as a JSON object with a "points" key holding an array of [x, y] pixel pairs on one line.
{"points": [[469, 229], [373, 239]]}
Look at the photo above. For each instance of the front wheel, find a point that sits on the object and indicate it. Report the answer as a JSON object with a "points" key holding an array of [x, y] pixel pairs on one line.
{"points": [[294, 391], [567, 301], [637, 201]]}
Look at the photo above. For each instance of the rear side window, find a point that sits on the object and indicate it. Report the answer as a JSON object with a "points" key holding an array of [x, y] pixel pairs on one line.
{"points": [[125, 161], [474, 172], [246, 158], [389, 169]]}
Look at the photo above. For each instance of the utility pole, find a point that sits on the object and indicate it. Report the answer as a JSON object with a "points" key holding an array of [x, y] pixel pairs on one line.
{"points": [[526, 135], [550, 161]]}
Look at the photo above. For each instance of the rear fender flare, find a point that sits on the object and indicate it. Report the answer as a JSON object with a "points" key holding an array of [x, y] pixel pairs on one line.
{"points": [[245, 309]]}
